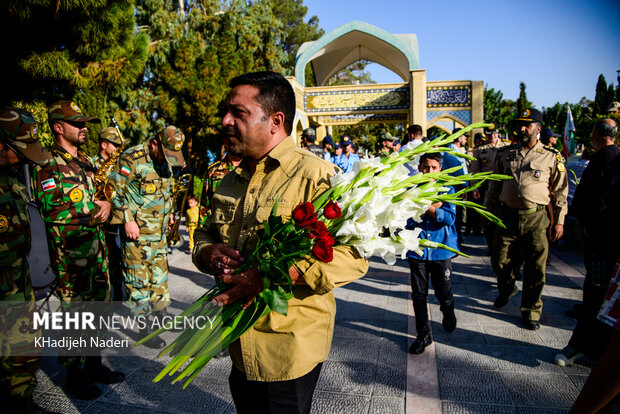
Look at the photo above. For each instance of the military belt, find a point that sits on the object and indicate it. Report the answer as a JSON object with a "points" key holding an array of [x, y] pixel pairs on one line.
{"points": [[524, 211]]}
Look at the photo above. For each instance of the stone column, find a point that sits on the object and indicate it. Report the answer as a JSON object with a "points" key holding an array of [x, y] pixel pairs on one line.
{"points": [[417, 96]]}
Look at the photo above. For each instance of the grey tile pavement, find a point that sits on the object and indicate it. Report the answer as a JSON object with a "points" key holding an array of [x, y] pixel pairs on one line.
{"points": [[490, 364]]}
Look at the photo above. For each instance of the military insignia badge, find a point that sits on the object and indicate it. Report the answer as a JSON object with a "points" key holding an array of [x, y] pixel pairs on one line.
{"points": [[559, 157], [76, 195], [150, 188], [537, 173], [4, 223], [526, 113], [484, 160], [76, 108], [561, 167], [539, 150], [67, 156], [125, 170], [178, 146], [48, 185], [34, 131]]}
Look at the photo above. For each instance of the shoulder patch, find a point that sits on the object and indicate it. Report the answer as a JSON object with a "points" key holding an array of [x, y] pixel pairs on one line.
{"points": [[561, 167], [125, 170], [548, 148], [48, 185]]}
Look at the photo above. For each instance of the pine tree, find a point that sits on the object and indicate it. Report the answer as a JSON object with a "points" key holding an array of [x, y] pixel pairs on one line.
{"points": [[80, 50], [522, 102], [601, 97]]}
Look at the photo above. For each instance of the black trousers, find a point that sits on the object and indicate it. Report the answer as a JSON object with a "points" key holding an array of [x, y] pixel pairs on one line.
{"points": [[278, 397], [440, 274], [592, 336]]}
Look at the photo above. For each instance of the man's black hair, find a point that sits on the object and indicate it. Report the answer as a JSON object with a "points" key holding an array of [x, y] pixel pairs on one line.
{"points": [[275, 94], [432, 156], [415, 129]]}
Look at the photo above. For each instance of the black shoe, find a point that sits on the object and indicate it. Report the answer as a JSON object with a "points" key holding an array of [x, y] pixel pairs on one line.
{"points": [[575, 312], [97, 372], [153, 343], [531, 325], [418, 346], [80, 386], [449, 320], [502, 300]]}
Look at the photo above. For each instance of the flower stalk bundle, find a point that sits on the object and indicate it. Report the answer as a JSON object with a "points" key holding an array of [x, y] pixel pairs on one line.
{"points": [[366, 209]]}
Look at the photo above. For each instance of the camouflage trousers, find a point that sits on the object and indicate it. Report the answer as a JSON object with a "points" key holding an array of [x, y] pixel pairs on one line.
{"points": [[146, 275], [81, 267], [17, 370]]}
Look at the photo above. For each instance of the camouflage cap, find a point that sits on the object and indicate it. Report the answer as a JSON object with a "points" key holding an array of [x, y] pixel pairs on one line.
{"points": [[20, 130], [110, 134], [68, 111], [386, 136], [172, 139]]}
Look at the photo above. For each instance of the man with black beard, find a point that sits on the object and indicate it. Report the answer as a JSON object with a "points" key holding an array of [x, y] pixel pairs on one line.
{"points": [[538, 180]]}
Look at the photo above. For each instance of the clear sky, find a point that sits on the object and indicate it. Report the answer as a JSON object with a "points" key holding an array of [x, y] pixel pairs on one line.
{"points": [[557, 47]]}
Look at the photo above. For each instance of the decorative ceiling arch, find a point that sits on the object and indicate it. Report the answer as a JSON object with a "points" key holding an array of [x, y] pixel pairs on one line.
{"points": [[356, 41]]}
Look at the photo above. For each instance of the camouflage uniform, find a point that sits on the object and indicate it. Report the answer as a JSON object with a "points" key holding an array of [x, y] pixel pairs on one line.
{"points": [[17, 372], [65, 195], [144, 190], [215, 173]]}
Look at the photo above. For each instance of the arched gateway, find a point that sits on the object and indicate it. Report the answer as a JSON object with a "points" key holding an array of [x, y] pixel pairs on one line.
{"points": [[444, 104]]}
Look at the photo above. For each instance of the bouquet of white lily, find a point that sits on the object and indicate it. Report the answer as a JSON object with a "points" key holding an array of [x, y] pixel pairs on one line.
{"points": [[367, 209]]}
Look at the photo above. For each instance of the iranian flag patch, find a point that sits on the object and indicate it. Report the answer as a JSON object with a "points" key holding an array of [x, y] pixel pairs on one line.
{"points": [[48, 185], [125, 170]]}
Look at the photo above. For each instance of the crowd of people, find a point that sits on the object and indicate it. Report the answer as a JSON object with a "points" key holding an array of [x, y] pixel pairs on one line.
{"points": [[277, 362]]}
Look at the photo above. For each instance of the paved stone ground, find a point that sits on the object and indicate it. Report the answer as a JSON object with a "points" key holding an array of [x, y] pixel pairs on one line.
{"points": [[490, 364]]}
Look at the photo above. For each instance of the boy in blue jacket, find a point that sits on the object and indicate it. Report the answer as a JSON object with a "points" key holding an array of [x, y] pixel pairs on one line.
{"points": [[438, 226]]}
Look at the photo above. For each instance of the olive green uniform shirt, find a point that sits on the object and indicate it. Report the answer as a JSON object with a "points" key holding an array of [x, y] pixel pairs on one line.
{"points": [[281, 347], [538, 177], [485, 155]]}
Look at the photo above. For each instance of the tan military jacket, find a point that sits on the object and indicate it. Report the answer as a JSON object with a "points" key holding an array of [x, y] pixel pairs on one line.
{"points": [[539, 177], [485, 155], [278, 347]]}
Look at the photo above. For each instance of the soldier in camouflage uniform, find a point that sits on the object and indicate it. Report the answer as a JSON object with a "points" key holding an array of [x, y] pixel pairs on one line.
{"points": [[143, 202], [109, 141], [18, 145], [215, 173], [65, 196]]}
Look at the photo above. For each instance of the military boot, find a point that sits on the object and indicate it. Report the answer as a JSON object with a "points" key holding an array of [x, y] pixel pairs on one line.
{"points": [[97, 372], [80, 385]]}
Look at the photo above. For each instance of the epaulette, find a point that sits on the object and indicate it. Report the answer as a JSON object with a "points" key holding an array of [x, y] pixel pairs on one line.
{"points": [[137, 153], [214, 164], [548, 148]]}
